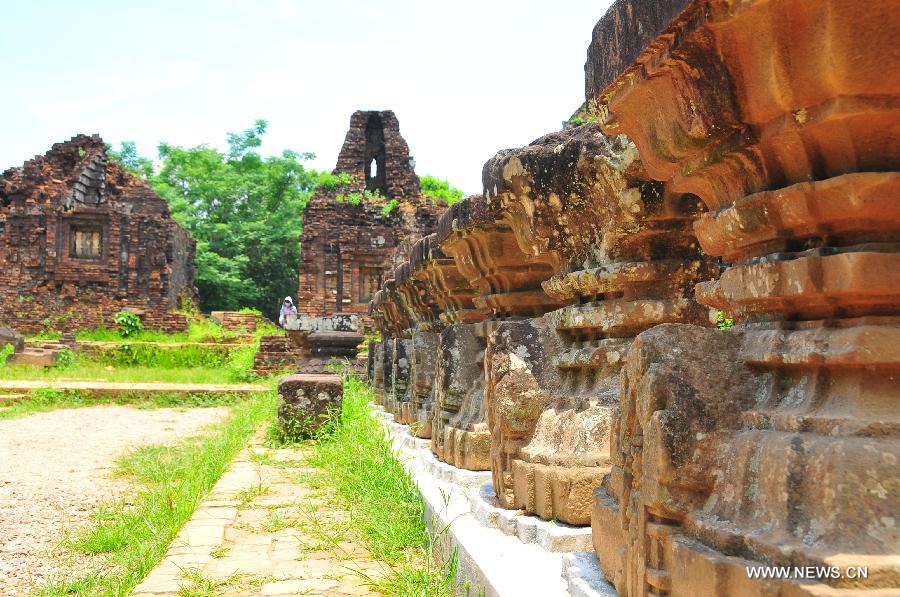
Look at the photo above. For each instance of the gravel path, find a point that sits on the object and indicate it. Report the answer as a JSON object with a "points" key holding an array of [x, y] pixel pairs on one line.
{"points": [[54, 471]]}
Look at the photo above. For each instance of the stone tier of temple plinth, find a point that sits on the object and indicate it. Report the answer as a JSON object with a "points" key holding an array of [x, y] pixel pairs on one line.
{"points": [[444, 296], [627, 257], [508, 286]]}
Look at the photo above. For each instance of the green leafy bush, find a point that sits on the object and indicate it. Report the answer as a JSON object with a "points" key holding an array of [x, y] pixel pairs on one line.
{"points": [[579, 120], [330, 182], [7, 350], [129, 324], [65, 359], [439, 189], [357, 198], [389, 207], [722, 322]]}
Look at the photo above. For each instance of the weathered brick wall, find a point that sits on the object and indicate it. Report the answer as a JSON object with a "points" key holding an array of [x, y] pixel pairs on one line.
{"points": [[346, 250], [141, 260], [375, 136]]}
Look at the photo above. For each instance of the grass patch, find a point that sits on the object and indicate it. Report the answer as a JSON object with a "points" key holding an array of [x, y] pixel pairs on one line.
{"points": [[385, 506], [93, 371], [47, 399], [200, 329], [197, 585], [245, 496], [174, 480], [146, 363], [276, 521]]}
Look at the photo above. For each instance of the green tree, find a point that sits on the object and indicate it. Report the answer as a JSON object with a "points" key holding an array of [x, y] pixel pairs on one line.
{"points": [[439, 189], [244, 211], [127, 155]]}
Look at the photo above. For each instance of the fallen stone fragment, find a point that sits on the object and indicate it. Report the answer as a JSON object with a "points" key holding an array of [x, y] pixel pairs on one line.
{"points": [[306, 402]]}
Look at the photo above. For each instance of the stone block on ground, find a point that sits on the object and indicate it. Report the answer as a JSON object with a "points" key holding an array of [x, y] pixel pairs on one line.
{"points": [[35, 357], [10, 336], [306, 401]]}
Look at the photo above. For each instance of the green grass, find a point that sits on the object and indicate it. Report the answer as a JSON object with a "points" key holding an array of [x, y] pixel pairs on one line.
{"points": [[197, 585], [147, 364], [164, 356], [46, 399], [276, 521], [174, 480], [88, 371], [200, 329], [385, 506]]}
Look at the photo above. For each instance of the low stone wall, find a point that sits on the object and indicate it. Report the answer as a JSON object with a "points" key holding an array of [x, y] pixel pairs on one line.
{"points": [[234, 321], [276, 353], [66, 315]]}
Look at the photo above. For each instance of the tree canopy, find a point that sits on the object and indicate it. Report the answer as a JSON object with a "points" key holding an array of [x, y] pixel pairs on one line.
{"points": [[439, 189], [245, 212]]}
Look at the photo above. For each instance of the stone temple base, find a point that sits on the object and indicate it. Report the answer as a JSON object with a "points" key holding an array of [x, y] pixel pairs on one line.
{"points": [[320, 342], [467, 449], [500, 552], [562, 492]]}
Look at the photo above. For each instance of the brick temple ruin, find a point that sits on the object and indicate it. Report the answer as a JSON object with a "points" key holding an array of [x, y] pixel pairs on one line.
{"points": [[351, 235], [346, 248], [559, 331], [82, 239]]}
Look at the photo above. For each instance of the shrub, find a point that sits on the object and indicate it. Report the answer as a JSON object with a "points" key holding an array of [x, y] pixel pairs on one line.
{"points": [[389, 207], [330, 182], [129, 324], [722, 322], [439, 190], [65, 359], [5, 352]]}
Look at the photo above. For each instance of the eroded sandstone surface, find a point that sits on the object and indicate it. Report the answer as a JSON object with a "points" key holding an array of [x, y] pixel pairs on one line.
{"points": [[775, 442], [739, 163], [628, 257]]}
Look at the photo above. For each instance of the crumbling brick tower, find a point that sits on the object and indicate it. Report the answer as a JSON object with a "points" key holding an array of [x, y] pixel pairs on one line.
{"points": [[348, 240], [81, 239]]}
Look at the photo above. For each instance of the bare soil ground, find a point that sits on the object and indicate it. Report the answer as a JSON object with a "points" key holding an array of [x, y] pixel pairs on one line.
{"points": [[55, 471]]}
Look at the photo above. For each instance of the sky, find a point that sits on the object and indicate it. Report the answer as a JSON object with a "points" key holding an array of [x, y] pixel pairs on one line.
{"points": [[465, 78]]}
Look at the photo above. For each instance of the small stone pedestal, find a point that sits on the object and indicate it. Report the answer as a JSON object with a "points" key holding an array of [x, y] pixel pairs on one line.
{"points": [[320, 340], [10, 336], [306, 401]]}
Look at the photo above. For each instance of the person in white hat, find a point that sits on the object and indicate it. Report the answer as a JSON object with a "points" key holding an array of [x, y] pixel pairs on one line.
{"points": [[287, 308]]}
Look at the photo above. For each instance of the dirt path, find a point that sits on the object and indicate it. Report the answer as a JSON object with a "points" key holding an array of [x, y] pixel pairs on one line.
{"points": [[265, 530], [110, 387], [54, 472]]}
